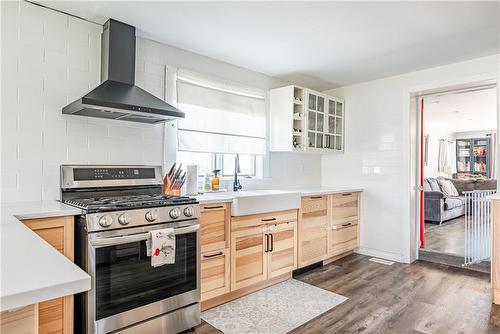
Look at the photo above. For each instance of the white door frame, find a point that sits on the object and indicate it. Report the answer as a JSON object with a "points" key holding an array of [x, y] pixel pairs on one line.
{"points": [[414, 96]]}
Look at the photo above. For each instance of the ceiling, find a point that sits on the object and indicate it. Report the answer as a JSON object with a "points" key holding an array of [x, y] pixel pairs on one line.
{"points": [[317, 44], [459, 112]]}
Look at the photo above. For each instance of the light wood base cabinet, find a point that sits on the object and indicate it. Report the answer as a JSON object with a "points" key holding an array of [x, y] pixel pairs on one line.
{"points": [[262, 247], [344, 208], [342, 240], [215, 250], [56, 315], [328, 227], [313, 230], [215, 278], [215, 230], [20, 321], [248, 256], [343, 232], [282, 252]]}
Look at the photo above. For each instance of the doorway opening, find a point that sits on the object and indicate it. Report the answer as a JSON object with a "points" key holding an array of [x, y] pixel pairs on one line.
{"points": [[457, 156]]}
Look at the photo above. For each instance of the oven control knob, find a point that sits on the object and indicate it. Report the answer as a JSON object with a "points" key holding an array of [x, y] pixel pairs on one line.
{"points": [[188, 212], [175, 213], [105, 221], [151, 216], [124, 218]]}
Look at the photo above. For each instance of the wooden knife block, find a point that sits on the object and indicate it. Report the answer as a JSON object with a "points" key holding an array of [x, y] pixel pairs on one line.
{"points": [[167, 188]]}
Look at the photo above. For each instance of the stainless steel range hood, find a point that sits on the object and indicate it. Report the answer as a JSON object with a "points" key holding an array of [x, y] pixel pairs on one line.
{"points": [[117, 97]]}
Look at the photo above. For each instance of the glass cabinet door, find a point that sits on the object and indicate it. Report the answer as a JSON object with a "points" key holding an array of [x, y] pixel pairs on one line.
{"points": [[321, 104], [325, 122], [311, 121], [330, 125], [340, 109], [331, 107], [312, 102]]}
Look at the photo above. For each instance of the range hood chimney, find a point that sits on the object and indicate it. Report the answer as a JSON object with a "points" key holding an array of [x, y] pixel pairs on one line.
{"points": [[117, 97]]}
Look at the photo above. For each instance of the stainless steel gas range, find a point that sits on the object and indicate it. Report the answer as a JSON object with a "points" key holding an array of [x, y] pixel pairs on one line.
{"points": [[121, 205]]}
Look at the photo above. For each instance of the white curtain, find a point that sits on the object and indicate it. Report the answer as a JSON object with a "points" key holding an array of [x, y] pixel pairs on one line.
{"points": [[447, 157], [220, 117]]}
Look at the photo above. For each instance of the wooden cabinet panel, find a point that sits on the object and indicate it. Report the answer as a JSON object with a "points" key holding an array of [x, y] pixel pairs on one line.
{"points": [[345, 208], [248, 257], [342, 240], [214, 221], [263, 218], [313, 230], [282, 253], [56, 315], [52, 316], [215, 274], [21, 321]]}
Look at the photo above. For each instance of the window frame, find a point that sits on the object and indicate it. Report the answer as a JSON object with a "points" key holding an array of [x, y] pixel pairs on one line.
{"points": [[220, 162], [217, 162]]}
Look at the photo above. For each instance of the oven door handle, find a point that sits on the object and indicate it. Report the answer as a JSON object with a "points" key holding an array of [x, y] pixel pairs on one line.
{"points": [[138, 237]]}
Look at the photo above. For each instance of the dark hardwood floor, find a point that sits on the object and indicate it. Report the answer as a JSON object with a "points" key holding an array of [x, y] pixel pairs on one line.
{"points": [[449, 237], [418, 298]]}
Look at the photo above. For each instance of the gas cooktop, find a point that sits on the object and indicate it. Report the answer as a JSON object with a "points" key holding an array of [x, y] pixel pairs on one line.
{"points": [[102, 204]]}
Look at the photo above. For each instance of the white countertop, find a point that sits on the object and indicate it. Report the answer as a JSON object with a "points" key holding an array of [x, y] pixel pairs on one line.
{"points": [[222, 197], [31, 270]]}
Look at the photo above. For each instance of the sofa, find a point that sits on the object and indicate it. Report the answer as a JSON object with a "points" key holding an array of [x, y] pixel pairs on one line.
{"points": [[439, 207]]}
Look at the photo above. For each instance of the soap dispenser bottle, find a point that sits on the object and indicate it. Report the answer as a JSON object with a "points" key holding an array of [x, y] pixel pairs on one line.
{"points": [[215, 180]]}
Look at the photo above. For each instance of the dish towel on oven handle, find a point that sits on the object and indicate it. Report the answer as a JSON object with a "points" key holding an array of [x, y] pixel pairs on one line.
{"points": [[161, 247]]}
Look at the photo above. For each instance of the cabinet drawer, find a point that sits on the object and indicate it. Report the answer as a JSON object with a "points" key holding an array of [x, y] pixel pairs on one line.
{"points": [[314, 205], [263, 218], [215, 278], [214, 221], [343, 240], [345, 208]]}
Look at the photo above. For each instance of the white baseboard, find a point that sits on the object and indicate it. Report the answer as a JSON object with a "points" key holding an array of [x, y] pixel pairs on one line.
{"points": [[381, 254]]}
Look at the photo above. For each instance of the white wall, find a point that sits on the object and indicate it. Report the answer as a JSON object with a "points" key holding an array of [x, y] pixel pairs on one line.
{"points": [[377, 150], [48, 60]]}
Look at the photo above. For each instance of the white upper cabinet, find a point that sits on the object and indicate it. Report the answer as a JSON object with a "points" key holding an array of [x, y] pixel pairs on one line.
{"points": [[303, 120]]}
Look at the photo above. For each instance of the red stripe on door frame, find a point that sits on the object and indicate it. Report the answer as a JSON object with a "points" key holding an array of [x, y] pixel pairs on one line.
{"points": [[422, 212]]}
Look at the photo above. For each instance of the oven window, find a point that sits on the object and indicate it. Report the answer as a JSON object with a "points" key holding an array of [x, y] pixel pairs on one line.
{"points": [[125, 278]]}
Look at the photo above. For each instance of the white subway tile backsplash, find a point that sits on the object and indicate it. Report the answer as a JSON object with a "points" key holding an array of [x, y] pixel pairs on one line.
{"points": [[29, 151], [51, 193], [50, 59], [9, 181], [125, 132]]}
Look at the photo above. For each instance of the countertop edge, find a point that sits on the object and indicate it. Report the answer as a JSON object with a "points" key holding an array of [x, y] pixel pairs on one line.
{"points": [[43, 294], [227, 198], [15, 235], [23, 216]]}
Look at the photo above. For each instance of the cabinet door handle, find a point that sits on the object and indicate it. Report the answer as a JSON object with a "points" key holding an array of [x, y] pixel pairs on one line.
{"points": [[213, 207], [213, 255], [266, 249], [268, 219], [347, 194], [316, 197], [346, 224], [272, 242]]}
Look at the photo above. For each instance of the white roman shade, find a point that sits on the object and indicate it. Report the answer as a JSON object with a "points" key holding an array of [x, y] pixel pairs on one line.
{"points": [[220, 118]]}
